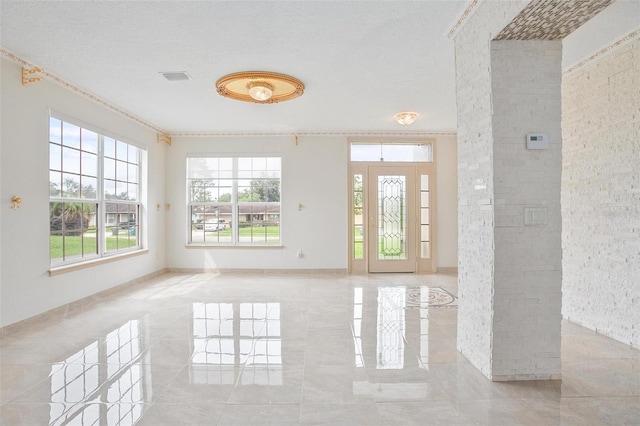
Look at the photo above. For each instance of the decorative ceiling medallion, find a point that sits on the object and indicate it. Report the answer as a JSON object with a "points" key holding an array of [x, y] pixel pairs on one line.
{"points": [[261, 87]]}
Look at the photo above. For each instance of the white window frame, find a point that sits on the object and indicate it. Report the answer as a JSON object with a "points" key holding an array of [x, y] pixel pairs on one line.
{"points": [[234, 204], [100, 199]]}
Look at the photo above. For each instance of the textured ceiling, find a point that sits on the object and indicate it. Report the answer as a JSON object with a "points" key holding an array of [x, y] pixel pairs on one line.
{"points": [[551, 19], [361, 62]]}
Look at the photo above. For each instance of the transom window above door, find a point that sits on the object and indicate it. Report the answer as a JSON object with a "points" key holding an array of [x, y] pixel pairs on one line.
{"points": [[392, 152]]}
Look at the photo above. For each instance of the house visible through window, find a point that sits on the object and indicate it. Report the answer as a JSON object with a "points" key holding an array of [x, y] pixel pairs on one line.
{"points": [[234, 200], [94, 194]]}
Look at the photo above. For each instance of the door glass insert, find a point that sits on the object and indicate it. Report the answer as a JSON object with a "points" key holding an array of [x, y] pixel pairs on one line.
{"points": [[392, 217]]}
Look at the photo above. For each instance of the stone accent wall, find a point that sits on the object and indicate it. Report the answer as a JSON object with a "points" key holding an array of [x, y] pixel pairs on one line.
{"points": [[509, 273], [475, 180], [526, 78], [601, 194]]}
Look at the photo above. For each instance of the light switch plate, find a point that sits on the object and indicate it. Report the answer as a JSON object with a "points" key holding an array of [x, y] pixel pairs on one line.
{"points": [[535, 216]]}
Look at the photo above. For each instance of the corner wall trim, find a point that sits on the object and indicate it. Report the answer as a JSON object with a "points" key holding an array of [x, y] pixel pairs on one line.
{"points": [[223, 271], [596, 331], [85, 302]]}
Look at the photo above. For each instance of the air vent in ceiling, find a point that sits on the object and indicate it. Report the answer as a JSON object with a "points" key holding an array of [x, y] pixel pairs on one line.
{"points": [[176, 75]]}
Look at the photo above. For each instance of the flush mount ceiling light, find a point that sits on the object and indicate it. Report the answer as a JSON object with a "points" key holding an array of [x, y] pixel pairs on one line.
{"points": [[260, 90], [405, 118], [260, 87]]}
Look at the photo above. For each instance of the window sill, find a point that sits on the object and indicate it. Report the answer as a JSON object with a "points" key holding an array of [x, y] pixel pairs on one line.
{"points": [[59, 270], [221, 246]]}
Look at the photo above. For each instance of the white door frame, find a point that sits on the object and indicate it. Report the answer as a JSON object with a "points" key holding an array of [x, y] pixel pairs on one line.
{"points": [[358, 252]]}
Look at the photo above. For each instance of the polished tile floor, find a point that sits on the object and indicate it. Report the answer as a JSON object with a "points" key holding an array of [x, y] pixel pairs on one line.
{"points": [[240, 349]]}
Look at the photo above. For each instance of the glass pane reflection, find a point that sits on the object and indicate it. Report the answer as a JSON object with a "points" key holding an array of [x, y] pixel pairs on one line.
{"points": [[357, 325], [390, 327], [228, 336], [113, 372], [398, 337]]}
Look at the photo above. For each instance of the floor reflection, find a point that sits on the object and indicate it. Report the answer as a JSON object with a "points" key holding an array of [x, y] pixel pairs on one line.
{"points": [[402, 318], [357, 325], [114, 371], [234, 338], [285, 349], [391, 328]]}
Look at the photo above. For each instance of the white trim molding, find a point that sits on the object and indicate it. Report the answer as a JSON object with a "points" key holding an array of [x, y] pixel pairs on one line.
{"points": [[319, 133], [632, 36], [51, 76], [468, 11]]}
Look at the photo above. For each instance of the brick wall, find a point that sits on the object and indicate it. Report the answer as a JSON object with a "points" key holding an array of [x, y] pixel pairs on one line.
{"points": [[601, 194], [475, 180]]}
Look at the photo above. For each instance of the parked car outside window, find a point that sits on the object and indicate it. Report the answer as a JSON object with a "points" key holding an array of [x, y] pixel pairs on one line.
{"points": [[214, 225]]}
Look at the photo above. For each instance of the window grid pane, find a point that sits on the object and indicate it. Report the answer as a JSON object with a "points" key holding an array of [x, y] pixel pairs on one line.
{"points": [[72, 230], [234, 200], [77, 208]]}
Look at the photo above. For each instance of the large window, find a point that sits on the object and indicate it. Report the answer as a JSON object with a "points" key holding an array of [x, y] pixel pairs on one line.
{"points": [[234, 200], [94, 194]]}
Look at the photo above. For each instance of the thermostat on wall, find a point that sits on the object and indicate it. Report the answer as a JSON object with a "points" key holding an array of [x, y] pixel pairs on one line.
{"points": [[537, 141]]}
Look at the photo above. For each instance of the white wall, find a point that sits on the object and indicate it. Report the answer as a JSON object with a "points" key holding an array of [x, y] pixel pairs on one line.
{"points": [[614, 22], [601, 193], [26, 287], [314, 175]]}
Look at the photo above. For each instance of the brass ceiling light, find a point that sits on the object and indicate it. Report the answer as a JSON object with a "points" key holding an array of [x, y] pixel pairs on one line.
{"points": [[262, 87], [406, 118], [260, 90]]}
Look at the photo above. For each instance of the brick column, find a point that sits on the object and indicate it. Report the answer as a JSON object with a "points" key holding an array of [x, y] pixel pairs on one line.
{"points": [[509, 269]]}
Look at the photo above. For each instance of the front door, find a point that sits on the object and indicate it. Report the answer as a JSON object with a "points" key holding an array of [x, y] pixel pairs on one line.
{"points": [[392, 219]]}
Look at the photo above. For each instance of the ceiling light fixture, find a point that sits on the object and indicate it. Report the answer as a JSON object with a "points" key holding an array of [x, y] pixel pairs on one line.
{"points": [[406, 118], [261, 87], [260, 90]]}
